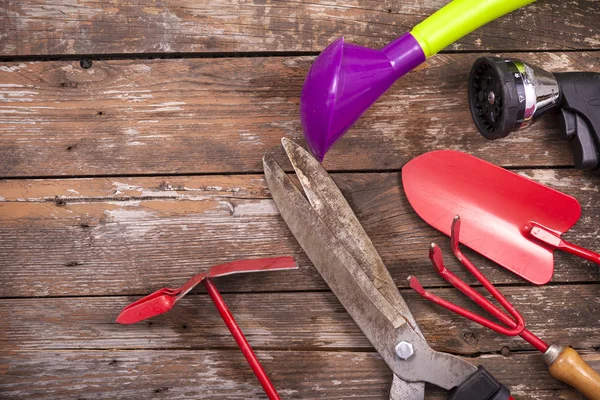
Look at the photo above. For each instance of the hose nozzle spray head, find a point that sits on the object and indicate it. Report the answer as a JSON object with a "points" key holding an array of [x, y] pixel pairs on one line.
{"points": [[506, 95]]}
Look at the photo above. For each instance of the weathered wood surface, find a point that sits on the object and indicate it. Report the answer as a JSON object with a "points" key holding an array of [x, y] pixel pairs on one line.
{"points": [[53, 27], [565, 315], [74, 252], [115, 236], [221, 115], [201, 374]]}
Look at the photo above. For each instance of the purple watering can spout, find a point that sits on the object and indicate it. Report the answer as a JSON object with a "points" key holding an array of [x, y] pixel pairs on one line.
{"points": [[344, 81]]}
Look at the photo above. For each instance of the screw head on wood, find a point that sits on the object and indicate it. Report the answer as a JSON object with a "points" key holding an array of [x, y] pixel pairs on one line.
{"points": [[404, 350]]}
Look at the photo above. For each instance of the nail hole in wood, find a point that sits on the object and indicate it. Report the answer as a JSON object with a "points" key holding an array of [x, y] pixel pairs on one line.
{"points": [[86, 63], [100, 113], [470, 338]]}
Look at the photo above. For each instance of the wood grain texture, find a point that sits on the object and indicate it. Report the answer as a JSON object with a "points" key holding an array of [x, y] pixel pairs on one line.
{"points": [[225, 375], [115, 236], [92, 27], [74, 252], [564, 315], [221, 115]]}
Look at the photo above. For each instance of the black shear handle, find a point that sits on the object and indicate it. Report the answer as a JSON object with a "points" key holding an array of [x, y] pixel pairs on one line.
{"points": [[480, 386]]}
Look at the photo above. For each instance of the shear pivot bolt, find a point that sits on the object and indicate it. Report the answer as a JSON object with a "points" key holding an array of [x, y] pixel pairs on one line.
{"points": [[405, 350]]}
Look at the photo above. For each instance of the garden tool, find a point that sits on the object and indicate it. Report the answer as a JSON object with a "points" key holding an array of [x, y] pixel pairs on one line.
{"points": [[511, 220], [346, 79], [507, 94], [335, 242], [164, 299], [564, 363]]}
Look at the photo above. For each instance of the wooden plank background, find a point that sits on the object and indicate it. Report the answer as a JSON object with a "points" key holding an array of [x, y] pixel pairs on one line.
{"points": [[143, 117], [145, 168], [55, 27]]}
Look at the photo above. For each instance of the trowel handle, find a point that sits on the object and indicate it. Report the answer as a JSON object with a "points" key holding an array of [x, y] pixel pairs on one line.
{"points": [[554, 240], [579, 251], [459, 18], [566, 365]]}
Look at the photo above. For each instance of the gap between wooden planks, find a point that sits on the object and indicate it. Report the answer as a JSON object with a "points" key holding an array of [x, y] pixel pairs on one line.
{"points": [[53, 27], [115, 236], [225, 375], [190, 116], [562, 314]]}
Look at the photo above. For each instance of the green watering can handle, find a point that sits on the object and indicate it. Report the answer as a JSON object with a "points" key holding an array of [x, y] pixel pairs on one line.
{"points": [[459, 18]]}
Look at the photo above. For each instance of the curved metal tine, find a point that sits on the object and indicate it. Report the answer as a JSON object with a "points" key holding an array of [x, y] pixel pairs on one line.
{"points": [[455, 243], [515, 327], [417, 287], [435, 254]]}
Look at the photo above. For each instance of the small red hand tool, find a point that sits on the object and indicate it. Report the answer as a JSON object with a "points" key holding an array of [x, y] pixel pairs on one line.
{"points": [[164, 299], [564, 363]]}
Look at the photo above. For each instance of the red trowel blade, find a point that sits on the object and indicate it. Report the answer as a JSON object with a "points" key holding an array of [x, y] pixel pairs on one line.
{"points": [[494, 206]]}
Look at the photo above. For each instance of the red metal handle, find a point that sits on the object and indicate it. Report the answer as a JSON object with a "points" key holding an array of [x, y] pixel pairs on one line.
{"points": [[241, 341], [554, 240], [579, 251]]}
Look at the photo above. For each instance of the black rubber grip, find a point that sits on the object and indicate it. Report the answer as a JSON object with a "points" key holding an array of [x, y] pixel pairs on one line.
{"points": [[580, 97], [480, 386]]}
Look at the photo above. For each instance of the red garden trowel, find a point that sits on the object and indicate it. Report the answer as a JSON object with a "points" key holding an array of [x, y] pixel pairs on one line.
{"points": [[509, 219], [164, 299]]}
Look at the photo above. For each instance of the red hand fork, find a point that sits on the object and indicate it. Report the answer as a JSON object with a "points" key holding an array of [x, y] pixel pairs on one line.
{"points": [[564, 363]]}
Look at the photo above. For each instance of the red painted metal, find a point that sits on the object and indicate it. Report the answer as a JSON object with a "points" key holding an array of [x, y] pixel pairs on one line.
{"points": [[164, 299], [554, 241], [579, 251], [514, 326], [498, 208], [240, 339]]}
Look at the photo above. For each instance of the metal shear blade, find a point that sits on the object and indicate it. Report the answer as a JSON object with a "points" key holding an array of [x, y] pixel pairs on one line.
{"points": [[333, 209], [337, 245]]}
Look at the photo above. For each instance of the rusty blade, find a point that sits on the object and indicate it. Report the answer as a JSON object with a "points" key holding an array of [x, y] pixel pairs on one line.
{"points": [[379, 320], [331, 206], [333, 209]]}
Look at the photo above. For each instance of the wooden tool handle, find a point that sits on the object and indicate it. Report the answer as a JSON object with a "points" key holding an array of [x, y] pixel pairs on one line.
{"points": [[570, 368]]}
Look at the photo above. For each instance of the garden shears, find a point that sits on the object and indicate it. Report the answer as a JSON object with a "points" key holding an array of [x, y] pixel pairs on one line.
{"points": [[329, 232]]}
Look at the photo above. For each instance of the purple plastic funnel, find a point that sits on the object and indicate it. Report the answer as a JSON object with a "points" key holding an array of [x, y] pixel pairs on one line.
{"points": [[344, 81]]}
